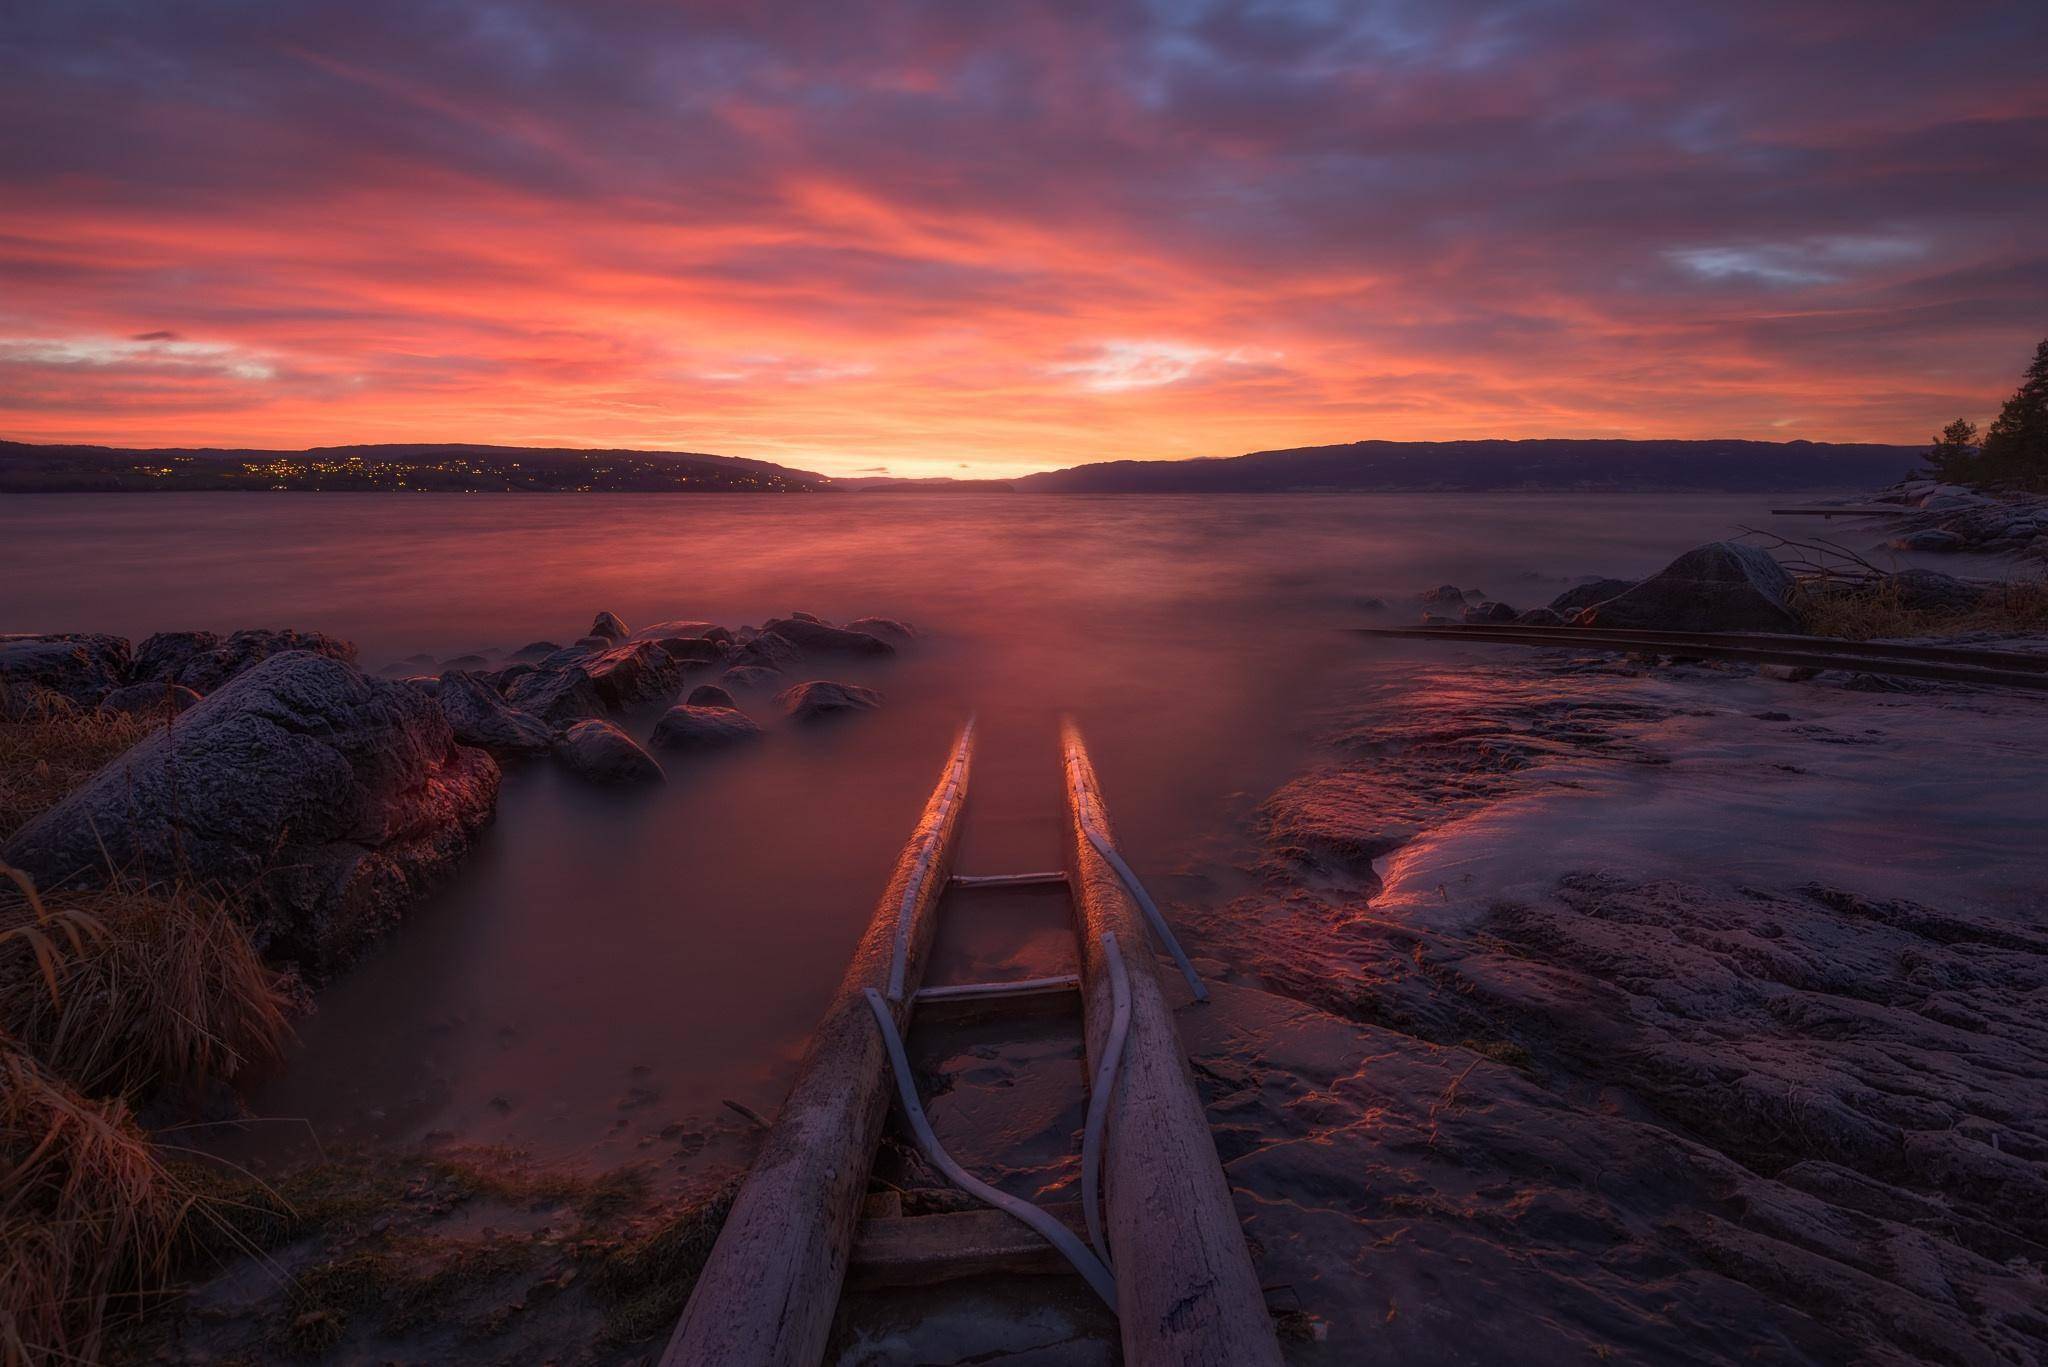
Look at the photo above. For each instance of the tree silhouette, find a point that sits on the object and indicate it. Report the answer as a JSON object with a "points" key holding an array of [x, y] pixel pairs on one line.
{"points": [[1953, 457], [2016, 445]]}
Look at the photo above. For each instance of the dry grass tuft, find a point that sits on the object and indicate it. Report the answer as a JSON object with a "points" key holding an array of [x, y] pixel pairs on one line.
{"points": [[1879, 610], [90, 1219], [127, 989], [49, 745]]}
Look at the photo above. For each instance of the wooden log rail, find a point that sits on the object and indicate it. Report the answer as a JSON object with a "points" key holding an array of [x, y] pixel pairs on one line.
{"points": [[1186, 1292], [768, 1292]]}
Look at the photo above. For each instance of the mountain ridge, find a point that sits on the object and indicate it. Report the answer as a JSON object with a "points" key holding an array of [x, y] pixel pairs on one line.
{"points": [[1498, 464]]}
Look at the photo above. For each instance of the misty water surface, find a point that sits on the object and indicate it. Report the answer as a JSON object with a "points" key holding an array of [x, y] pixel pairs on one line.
{"points": [[609, 964]]}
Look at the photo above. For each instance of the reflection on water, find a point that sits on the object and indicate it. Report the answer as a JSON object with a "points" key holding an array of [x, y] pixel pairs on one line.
{"points": [[609, 965]]}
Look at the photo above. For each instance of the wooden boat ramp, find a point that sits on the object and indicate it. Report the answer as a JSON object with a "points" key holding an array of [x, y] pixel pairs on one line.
{"points": [[1155, 1235]]}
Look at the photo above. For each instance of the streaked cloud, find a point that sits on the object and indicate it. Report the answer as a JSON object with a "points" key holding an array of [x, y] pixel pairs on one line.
{"points": [[1019, 235]]}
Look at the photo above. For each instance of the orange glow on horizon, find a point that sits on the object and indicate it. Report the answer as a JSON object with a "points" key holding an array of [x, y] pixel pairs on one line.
{"points": [[933, 272]]}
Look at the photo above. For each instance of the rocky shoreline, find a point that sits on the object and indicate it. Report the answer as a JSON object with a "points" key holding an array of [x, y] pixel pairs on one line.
{"points": [[329, 800]]}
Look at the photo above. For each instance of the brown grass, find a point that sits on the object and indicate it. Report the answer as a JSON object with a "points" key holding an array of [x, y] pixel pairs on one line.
{"points": [[126, 989], [1878, 611], [50, 745], [122, 991], [90, 1219]]}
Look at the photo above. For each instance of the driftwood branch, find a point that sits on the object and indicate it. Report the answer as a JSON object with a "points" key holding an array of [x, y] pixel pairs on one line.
{"points": [[1819, 558]]}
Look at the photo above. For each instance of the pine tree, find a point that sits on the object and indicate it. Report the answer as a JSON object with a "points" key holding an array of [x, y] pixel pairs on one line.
{"points": [[2016, 446], [1953, 457]]}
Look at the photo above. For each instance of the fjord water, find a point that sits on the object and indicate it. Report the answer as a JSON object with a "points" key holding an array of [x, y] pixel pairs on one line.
{"points": [[608, 967]]}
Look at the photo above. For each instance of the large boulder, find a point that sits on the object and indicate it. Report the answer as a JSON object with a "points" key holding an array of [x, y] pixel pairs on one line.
{"points": [[710, 695], [820, 698], [331, 800], [81, 667], [479, 716], [684, 727], [1444, 595], [609, 626], [602, 753], [816, 638], [1580, 596], [163, 657], [206, 669], [149, 699], [1540, 617], [1722, 586], [886, 628], [535, 650]]}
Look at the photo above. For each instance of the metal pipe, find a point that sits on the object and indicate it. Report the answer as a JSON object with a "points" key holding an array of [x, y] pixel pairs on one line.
{"points": [[1058, 1235], [1099, 1096]]}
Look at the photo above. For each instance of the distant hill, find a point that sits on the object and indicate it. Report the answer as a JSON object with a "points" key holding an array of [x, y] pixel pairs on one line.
{"points": [[1689, 466], [450, 468], [1701, 466]]}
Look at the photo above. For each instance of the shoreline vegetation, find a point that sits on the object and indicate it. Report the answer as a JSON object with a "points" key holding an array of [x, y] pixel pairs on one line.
{"points": [[143, 968], [182, 870]]}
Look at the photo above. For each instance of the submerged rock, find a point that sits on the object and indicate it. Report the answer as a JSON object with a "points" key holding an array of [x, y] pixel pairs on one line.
{"points": [[206, 670], [635, 673], [884, 628], [471, 661], [330, 798], [1578, 596], [602, 753], [80, 667], [691, 649], [1933, 591], [1927, 539], [769, 650], [608, 625], [148, 699], [1722, 586], [687, 727], [165, 655], [709, 695], [753, 678], [820, 698], [479, 716], [678, 626], [537, 650], [814, 637]]}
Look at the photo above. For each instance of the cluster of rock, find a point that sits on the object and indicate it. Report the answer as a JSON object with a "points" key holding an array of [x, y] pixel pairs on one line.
{"points": [[328, 799], [561, 700], [1945, 518], [170, 670], [1722, 586]]}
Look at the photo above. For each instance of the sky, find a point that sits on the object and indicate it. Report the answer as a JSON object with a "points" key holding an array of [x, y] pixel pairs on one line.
{"points": [[969, 238]]}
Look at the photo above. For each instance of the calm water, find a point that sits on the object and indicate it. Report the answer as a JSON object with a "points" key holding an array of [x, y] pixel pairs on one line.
{"points": [[610, 966]]}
